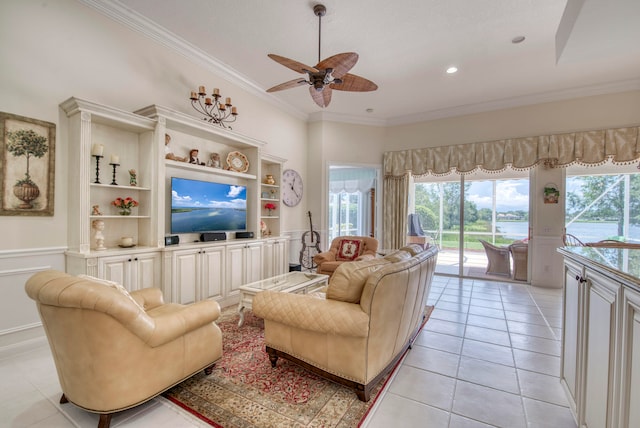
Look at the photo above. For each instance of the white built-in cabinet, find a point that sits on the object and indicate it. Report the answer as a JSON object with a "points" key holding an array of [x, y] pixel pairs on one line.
{"points": [[134, 271], [191, 270], [600, 366]]}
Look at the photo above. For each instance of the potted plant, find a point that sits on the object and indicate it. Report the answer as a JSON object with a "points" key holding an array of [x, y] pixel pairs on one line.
{"points": [[125, 205], [27, 143]]}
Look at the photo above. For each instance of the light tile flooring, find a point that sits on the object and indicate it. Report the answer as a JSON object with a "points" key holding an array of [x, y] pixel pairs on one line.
{"points": [[489, 356]]}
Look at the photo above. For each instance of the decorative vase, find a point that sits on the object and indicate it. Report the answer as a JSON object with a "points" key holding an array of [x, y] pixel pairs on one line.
{"points": [[270, 179], [125, 211], [26, 192]]}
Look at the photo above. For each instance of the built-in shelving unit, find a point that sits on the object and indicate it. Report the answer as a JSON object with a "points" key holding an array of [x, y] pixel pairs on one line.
{"points": [[191, 270]]}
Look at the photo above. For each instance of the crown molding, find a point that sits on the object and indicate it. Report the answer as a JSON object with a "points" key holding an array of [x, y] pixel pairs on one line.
{"points": [[541, 98], [120, 13]]}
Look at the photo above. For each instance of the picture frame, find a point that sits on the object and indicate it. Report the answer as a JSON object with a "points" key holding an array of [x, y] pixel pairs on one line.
{"points": [[551, 194], [27, 166]]}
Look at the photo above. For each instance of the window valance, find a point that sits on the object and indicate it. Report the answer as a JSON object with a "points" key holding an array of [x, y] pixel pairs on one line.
{"points": [[351, 179], [621, 145]]}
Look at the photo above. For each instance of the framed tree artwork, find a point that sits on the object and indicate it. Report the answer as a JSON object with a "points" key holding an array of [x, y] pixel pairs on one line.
{"points": [[27, 166]]}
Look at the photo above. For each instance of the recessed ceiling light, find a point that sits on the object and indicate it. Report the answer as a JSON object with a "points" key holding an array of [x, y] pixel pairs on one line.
{"points": [[517, 39], [452, 69]]}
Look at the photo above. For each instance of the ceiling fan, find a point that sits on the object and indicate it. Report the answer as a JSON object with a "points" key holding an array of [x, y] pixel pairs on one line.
{"points": [[329, 74]]}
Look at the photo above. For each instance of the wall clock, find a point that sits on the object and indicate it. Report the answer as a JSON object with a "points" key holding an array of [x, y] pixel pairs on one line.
{"points": [[291, 187], [237, 162]]}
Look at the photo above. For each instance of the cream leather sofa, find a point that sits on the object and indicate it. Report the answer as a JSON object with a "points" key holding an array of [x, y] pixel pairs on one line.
{"points": [[114, 350], [371, 314]]}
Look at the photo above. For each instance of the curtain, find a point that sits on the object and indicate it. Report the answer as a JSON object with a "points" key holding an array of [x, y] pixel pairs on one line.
{"points": [[351, 179], [621, 145], [395, 212]]}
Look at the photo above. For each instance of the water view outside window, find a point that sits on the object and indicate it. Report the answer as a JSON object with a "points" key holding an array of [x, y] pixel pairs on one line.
{"points": [[496, 211], [605, 206]]}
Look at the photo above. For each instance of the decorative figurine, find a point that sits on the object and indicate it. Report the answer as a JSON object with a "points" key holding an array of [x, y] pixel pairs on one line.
{"points": [[132, 178], [193, 157], [98, 225], [96, 210], [270, 179], [168, 154], [214, 160]]}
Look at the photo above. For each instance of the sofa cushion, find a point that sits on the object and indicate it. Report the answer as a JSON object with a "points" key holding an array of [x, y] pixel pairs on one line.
{"points": [[349, 249], [348, 280], [114, 285]]}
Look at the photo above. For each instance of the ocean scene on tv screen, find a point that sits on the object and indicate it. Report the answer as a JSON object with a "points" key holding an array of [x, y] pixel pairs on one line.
{"points": [[201, 206]]}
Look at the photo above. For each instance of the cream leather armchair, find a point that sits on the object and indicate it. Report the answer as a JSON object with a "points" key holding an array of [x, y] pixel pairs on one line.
{"points": [[114, 351], [328, 261]]}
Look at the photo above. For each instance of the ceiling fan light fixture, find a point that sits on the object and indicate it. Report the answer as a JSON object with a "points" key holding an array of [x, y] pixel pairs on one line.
{"points": [[329, 74]]}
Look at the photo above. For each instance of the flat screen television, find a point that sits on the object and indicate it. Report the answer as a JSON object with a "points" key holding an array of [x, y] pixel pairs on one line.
{"points": [[203, 206]]}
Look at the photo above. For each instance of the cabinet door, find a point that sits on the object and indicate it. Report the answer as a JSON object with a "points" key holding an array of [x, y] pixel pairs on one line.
{"points": [[630, 378], [116, 269], [212, 273], [185, 276], [280, 257], [570, 330], [601, 324], [253, 262], [268, 259], [147, 271], [235, 268]]}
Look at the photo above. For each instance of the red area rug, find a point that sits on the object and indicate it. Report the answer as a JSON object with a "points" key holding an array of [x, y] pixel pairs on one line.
{"points": [[244, 391]]}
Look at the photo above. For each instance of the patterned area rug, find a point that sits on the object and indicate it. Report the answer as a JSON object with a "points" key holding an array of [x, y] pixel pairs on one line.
{"points": [[245, 392]]}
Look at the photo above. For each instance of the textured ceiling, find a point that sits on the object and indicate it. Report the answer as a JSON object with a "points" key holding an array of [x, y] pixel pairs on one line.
{"points": [[405, 47]]}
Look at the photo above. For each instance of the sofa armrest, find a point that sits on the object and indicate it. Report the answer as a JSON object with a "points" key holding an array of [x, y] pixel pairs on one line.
{"points": [[327, 256], [311, 313], [148, 298], [177, 323]]}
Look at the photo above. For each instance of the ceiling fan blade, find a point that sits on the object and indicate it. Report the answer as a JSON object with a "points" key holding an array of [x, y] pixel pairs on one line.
{"points": [[354, 83], [287, 85], [340, 63], [293, 65], [323, 97]]}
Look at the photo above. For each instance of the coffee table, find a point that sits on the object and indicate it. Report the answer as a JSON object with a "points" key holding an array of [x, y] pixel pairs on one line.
{"points": [[292, 282]]}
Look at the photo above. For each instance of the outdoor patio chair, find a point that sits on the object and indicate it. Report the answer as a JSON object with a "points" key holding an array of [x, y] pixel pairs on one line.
{"points": [[571, 241], [499, 259]]}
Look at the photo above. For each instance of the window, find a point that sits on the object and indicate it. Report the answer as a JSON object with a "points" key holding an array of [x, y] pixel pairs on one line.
{"points": [[603, 202]]}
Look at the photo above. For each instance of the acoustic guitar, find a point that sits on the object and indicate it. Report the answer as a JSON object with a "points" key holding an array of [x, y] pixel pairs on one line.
{"points": [[310, 246]]}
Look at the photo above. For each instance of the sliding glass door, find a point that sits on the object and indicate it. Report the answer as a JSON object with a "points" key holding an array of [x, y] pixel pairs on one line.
{"points": [[459, 212]]}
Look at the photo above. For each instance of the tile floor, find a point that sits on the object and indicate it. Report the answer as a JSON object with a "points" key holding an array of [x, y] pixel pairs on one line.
{"points": [[489, 356]]}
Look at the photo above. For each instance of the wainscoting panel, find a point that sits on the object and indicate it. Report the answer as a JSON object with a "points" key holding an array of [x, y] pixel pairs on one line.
{"points": [[19, 320], [546, 261]]}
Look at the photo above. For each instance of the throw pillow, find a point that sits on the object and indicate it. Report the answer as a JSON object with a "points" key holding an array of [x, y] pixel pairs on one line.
{"points": [[349, 249], [347, 282], [112, 284]]}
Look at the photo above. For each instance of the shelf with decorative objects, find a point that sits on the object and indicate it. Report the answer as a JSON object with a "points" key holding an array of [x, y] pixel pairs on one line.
{"points": [[270, 206]]}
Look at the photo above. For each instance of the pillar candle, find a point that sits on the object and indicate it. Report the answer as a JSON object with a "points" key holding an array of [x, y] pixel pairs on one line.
{"points": [[207, 101], [115, 159], [234, 110], [201, 90], [97, 149], [222, 107], [194, 96], [216, 91], [228, 101]]}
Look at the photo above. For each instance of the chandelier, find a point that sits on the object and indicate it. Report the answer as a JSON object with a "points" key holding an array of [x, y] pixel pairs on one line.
{"points": [[213, 109]]}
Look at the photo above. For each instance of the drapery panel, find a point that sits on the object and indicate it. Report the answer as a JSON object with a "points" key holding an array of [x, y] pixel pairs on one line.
{"points": [[621, 145], [395, 211]]}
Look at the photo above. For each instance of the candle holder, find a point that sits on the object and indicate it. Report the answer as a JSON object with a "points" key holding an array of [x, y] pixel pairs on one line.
{"points": [[97, 168], [114, 165], [215, 110]]}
